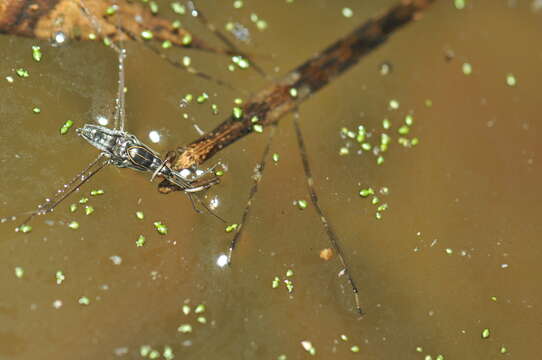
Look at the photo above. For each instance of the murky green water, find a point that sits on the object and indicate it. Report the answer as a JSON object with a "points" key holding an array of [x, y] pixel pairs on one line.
{"points": [[457, 251]]}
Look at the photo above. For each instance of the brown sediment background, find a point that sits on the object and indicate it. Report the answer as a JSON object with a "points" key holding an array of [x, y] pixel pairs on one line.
{"points": [[456, 252]]}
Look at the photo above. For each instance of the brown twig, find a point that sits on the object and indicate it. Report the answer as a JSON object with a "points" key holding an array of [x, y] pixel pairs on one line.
{"points": [[42, 19], [276, 99]]}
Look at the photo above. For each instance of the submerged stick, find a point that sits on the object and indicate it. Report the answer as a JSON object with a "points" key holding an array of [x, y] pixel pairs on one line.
{"points": [[46, 19], [284, 95]]}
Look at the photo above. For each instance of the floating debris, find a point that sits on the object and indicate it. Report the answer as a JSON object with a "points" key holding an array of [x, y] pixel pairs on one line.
{"points": [[326, 254]]}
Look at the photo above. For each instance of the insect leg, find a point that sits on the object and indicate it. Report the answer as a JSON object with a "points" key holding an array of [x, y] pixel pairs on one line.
{"points": [[120, 113], [332, 236], [67, 189], [256, 177]]}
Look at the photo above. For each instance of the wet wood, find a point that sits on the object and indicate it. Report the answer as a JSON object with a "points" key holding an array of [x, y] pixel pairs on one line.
{"points": [[276, 100], [43, 19]]}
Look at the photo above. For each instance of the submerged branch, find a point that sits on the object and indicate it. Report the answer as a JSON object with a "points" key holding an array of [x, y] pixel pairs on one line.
{"points": [[45, 19], [284, 95]]}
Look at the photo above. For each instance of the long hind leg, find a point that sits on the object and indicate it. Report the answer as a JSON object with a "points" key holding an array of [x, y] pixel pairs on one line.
{"points": [[332, 236], [71, 186]]}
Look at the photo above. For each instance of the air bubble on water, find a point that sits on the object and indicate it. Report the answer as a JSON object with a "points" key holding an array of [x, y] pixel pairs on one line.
{"points": [[154, 136], [59, 38], [222, 260], [102, 120]]}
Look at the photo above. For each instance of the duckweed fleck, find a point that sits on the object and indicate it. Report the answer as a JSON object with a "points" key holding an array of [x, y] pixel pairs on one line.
{"points": [[60, 277], [231, 227], [199, 309], [347, 12], [185, 328], [366, 192], [84, 300], [511, 80], [460, 4], [161, 228], [237, 112], [146, 34], [467, 68], [36, 53], [186, 39], [289, 273], [24, 228], [178, 8], [66, 127], [140, 241], [19, 272], [22, 73]]}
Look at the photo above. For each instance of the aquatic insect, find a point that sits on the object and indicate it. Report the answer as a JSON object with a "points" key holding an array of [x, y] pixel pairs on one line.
{"points": [[124, 150]]}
